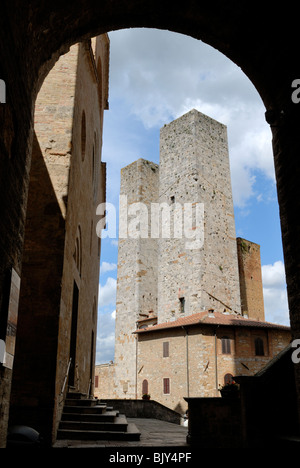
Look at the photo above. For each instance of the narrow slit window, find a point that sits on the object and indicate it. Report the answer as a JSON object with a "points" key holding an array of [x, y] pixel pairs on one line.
{"points": [[226, 349], [259, 347], [166, 349], [145, 387], [166, 386]]}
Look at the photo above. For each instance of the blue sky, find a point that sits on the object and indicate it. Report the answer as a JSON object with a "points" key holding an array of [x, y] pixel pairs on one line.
{"points": [[155, 77]]}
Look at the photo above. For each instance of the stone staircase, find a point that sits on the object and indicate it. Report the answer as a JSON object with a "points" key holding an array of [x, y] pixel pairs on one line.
{"points": [[86, 418]]}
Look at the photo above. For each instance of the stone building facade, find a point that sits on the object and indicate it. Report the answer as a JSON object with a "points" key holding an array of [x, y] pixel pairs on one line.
{"points": [[195, 356], [179, 257], [57, 321]]}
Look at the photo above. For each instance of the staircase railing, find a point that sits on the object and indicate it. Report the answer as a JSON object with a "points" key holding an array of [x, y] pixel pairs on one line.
{"points": [[65, 381], [77, 377], [89, 388]]}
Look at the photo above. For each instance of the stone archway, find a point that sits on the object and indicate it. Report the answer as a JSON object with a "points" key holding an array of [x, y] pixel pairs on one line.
{"points": [[34, 36]]}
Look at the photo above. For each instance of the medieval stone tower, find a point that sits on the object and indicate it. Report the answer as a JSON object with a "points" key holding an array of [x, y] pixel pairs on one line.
{"points": [[177, 243]]}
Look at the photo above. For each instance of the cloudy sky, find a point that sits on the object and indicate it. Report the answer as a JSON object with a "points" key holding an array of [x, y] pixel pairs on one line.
{"points": [[155, 77]]}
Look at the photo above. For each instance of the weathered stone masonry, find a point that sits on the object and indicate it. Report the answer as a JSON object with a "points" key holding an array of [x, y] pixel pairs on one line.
{"points": [[33, 36], [194, 168], [61, 250], [174, 269]]}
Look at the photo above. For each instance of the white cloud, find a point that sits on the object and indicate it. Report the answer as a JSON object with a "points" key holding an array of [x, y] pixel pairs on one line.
{"points": [[274, 275], [105, 337], [107, 293], [275, 294], [106, 266], [159, 75]]}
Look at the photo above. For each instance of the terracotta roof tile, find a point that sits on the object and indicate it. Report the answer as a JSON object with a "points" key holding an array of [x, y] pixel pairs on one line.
{"points": [[213, 318]]}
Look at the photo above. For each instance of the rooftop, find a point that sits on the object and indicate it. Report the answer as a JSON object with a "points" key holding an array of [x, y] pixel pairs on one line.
{"points": [[208, 317]]}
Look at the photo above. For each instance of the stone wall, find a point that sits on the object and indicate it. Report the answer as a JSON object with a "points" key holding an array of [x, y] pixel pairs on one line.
{"points": [[36, 345], [144, 409], [61, 250], [104, 378], [215, 423], [86, 189]]}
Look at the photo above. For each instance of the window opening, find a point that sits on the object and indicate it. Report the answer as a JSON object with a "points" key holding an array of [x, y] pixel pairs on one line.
{"points": [[145, 387], [259, 347], [226, 345], [166, 349], [228, 379], [166, 386]]}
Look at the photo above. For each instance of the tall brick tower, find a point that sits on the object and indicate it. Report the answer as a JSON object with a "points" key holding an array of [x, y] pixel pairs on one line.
{"points": [[179, 255], [194, 169], [252, 300], [137, 269]]}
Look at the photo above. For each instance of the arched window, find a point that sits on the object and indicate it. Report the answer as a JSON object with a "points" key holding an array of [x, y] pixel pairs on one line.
{"points": [[259, 346], [78, 250], [228, 378], [226, 345], [145, 387]]}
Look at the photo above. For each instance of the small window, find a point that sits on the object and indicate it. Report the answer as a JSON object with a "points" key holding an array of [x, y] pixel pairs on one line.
{"points": [[166, 349], [96, 381], [145, 387], [172, 199], [166, 386], [226, 345], [182, 304], [228, 379], [259, 347]]}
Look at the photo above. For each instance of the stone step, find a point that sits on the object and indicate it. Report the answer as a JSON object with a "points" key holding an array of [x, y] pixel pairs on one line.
{"points": [[86, 418], [81, 401], [131, 434], [96, 409], [92, 417], [118, 425], [76, 395]]}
